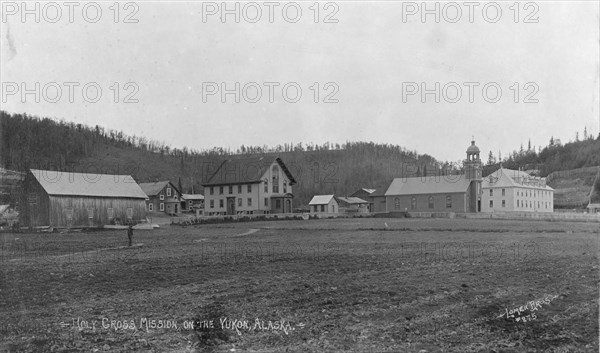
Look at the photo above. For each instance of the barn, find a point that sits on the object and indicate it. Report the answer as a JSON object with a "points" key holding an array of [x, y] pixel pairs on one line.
{"points": [[67, 199]]}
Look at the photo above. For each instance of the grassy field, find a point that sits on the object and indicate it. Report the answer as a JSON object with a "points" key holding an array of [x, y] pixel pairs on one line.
{"points": [[345, 285]]}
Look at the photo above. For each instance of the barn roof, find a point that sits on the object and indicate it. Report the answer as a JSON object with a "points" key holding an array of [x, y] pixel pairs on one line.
{"points": [[245, 170], [428, 185], [320, 199], [152, 189], [88, 184]]}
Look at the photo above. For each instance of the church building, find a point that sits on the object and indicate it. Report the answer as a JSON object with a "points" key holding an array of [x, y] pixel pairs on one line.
{"points": [[441, 193]]}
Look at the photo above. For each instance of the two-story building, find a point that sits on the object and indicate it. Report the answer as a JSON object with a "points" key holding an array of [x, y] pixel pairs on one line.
{"points": [[514, 190], [252, 185], [163, 196]]}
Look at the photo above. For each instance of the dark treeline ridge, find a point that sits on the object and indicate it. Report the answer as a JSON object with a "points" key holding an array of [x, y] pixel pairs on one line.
{"points": [[44, 143]]}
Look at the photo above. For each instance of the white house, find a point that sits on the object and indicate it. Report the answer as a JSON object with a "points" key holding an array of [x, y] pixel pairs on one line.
{"points": [[324, 204], [257, 185]]}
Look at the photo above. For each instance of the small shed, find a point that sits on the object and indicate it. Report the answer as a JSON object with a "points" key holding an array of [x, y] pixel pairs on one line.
{"points": [[192, 202], [324, 204], [353, 205]]}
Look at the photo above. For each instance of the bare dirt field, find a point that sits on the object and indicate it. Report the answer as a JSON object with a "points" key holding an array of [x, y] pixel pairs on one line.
{"points": [[335, 285]]}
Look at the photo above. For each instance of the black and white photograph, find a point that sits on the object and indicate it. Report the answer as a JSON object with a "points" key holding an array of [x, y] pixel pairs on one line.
{"points": [[299, 176]]}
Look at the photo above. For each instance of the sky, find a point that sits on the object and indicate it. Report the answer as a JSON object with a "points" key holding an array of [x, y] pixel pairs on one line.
{"points": [[361, 69]]}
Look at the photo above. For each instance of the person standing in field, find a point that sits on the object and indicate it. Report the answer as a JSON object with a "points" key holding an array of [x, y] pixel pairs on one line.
{"points": [[130, 233]]}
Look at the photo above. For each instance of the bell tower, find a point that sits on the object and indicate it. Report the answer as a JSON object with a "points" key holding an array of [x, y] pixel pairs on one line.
{"points": [[472, 165], [473, 170]]}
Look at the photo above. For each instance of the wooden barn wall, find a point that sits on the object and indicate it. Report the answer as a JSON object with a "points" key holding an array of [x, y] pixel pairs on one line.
{"points": [[100, 205], [34, 210]]}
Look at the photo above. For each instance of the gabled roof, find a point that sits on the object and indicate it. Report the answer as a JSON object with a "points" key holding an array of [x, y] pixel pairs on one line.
{"points": [[428, 185], [506, 178], [152, 189], [87, 184], [368, 191], [320, 199], [192, 196], [246, 170], [352, 200]]}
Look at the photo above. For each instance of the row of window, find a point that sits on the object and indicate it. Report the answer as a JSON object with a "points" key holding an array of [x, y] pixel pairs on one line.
{"points": [[161, 206], [503, 203], [430, 202], [240, 188], [503, 192], [523, 204], [248, 202], [526, 193], [323, 208], [162, 196], [531, 204]]}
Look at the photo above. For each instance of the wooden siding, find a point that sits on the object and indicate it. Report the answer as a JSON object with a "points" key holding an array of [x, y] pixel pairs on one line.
{"points": [[60, 205], [439, 203], [35, 203]]}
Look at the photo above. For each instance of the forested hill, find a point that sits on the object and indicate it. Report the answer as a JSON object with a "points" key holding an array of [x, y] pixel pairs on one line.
{"points": [[31, 142]]}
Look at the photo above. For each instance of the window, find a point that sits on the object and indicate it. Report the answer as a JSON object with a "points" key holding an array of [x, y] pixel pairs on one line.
{"points": [[161, 206], [397, 203], [190, 203], [150, 207], [503, 192], [69, 213], [240, 189], [249, 188], [32, 198], [221, 203], [491, 203], [230, 189], [90, 212], [168, 191], [491, 192], [503, 203], [275, 174], [277, 204], [448, 201], [110, 213], [162, 197], [285, 187], [332, 208], [220, 190], [129, 212], [322, 208], [249, 201], [430, 201], [240, 202], [266, 202], [212, 203], [413, 203], [266, 187], [212, 190]]}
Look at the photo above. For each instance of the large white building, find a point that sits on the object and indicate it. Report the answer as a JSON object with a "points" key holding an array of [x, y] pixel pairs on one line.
{"points": [[241, 186], [516, 191]]}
